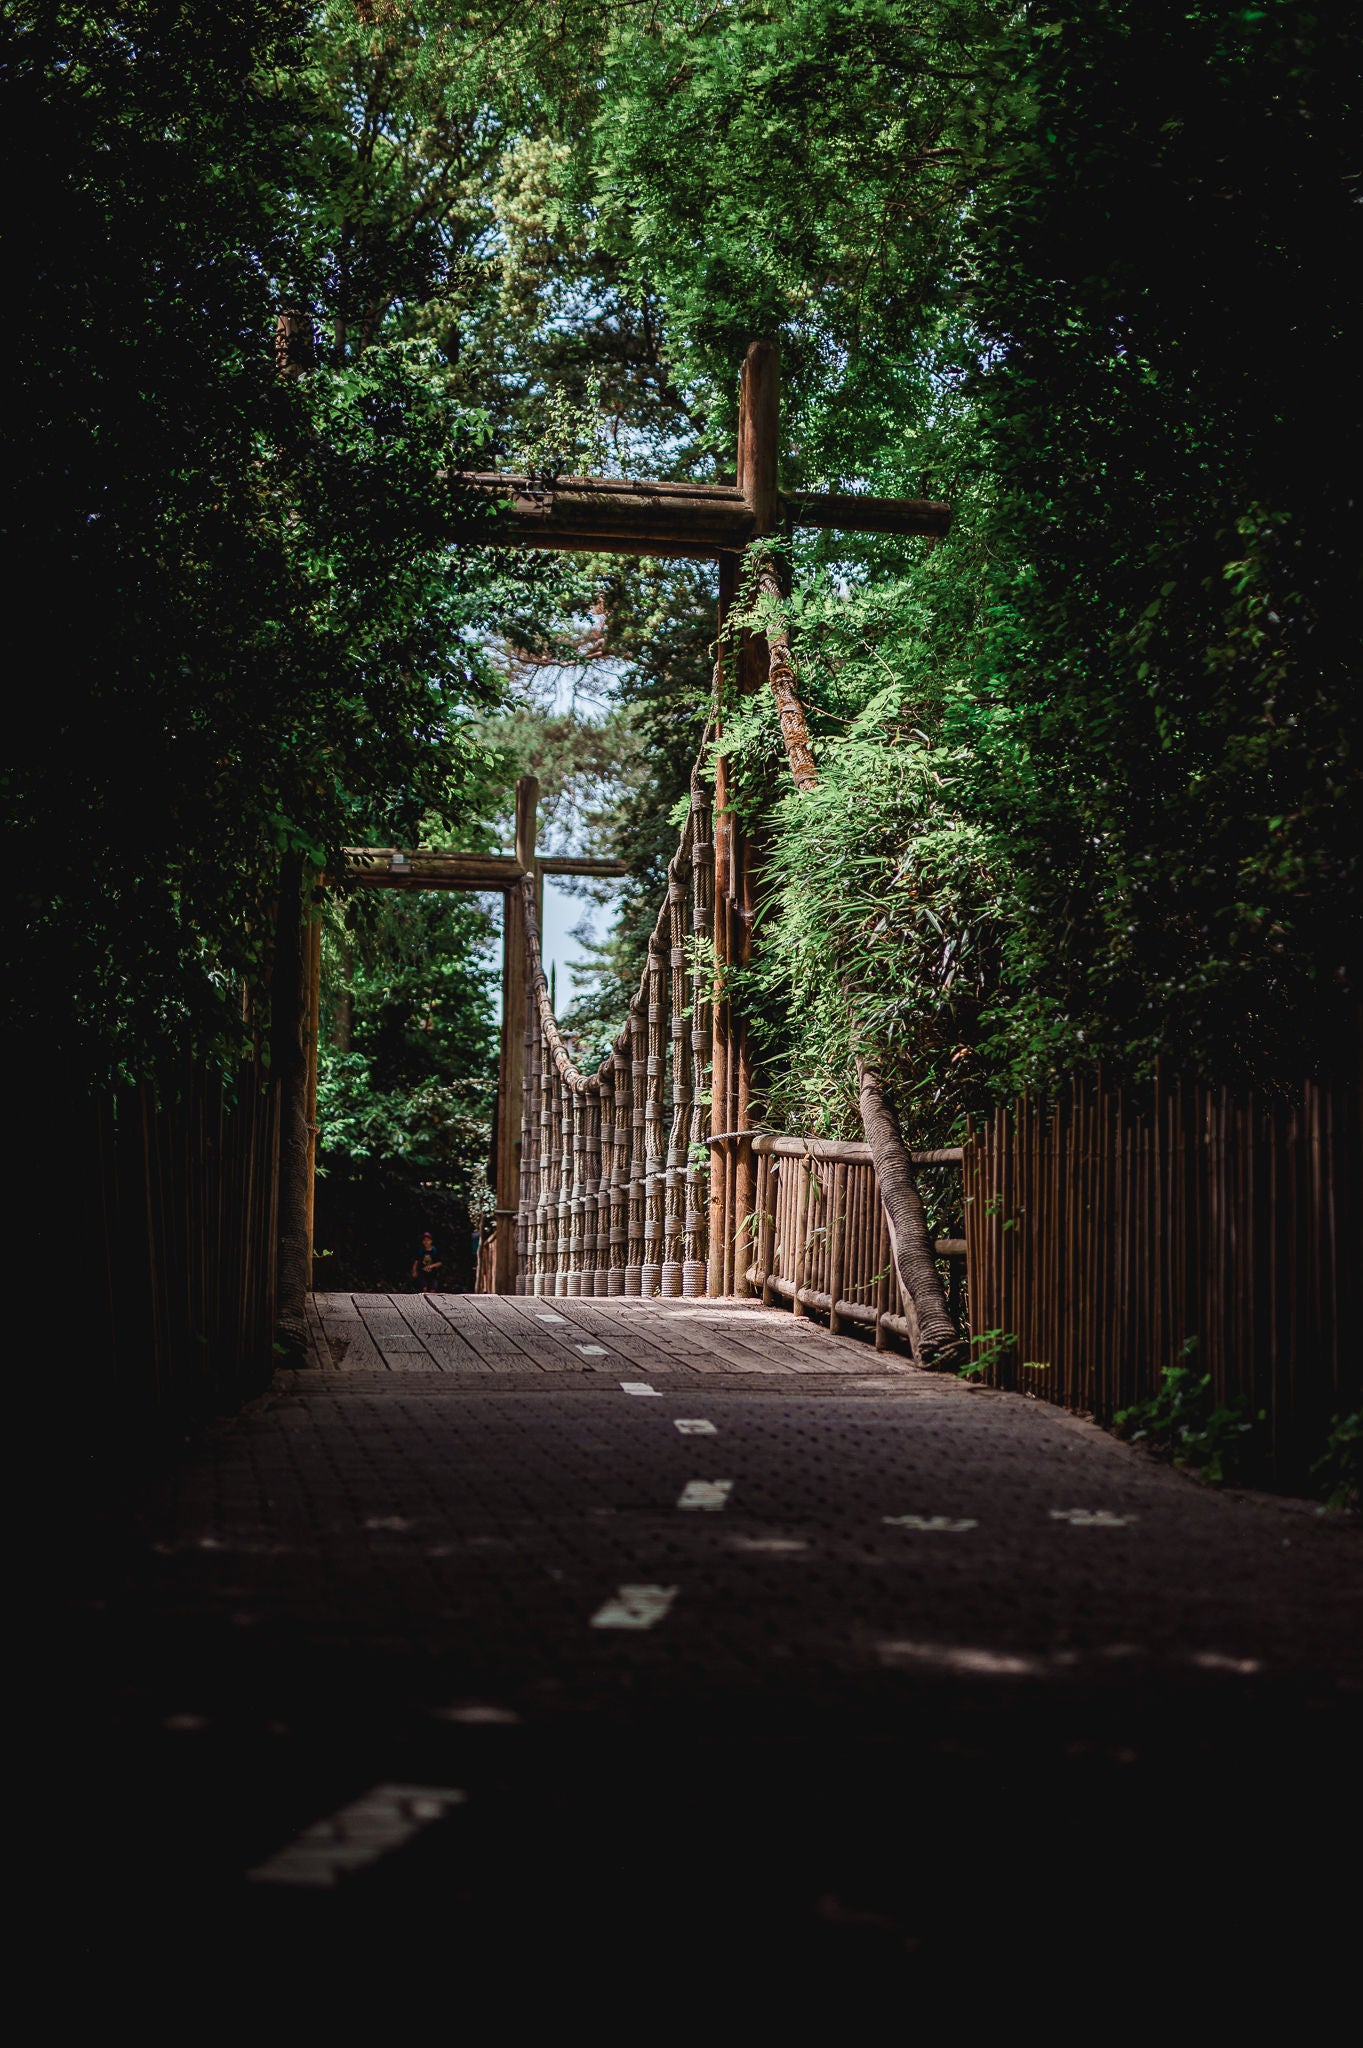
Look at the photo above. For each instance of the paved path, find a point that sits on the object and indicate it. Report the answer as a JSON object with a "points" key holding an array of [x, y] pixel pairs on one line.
{"points": [[520, 1627]]}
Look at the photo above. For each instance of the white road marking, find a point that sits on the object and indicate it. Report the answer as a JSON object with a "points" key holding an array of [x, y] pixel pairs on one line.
{"points": [[639, 1387], [1216, 1660], [591, 1350], [478, 1717], [957, 1657], [1091, 1518], [382, 1820], [705, 1493], [546, 1316], [778, 1546], [634, 1607], [942, 1523], [397, 1523], [695, 1425]]}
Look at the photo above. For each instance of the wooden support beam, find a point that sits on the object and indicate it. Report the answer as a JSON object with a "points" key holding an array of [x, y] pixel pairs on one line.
{"points": [[313, 940], [527, 821], [850, 512], [372, 867], [759, 435], [289, 1006], [603, 515], [389, 867], [571, 864], [612, 516], [511, 1067], [733, 1186]]}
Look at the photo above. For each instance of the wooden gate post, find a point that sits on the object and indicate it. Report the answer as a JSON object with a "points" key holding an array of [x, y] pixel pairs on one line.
{"points": [[289, 1064], [312, 941], [511, 1066], [733, 1188]]}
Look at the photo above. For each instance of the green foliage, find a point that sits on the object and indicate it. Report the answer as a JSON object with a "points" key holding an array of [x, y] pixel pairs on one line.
{"points": [[1338, 1472], [258, 598], [406, 1084], [1164, 725], [1082, 274], [1185, 1423], [1089, 766]]}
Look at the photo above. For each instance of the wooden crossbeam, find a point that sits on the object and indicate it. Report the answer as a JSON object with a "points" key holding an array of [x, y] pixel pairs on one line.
{"points": [[608, 515], [390, 867]]}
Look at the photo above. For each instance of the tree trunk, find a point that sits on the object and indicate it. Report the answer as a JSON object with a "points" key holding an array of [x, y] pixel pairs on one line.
{"points": [[909, 1239], [790, 710]]}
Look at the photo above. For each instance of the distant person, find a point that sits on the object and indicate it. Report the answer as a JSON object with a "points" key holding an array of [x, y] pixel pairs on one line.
{"points": [[428, 1265]]}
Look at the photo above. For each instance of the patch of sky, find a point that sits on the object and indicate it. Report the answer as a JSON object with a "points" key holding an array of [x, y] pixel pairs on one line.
{"points": [[572, 923]]}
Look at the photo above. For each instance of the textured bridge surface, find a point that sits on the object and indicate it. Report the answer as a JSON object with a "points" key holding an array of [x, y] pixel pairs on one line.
{"points": [[673, 1640]]}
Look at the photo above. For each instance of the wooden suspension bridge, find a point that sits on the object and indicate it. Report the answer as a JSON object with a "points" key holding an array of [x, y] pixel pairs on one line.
{"points": [[646, 1177], [603, 1184], [1085, 1243]]}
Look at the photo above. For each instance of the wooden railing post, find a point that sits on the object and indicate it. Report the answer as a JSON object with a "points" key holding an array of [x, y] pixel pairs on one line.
{"points": [[313, 1032], [733, 1183], [638, 1166], [701, 1036], [767, 1183], [679, 1049], [290, 1004], [802, 1206], [837, 1240], [651, 1275]]}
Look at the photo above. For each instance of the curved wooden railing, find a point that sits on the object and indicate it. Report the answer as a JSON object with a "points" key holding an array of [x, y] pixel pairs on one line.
{"points": [[613, 1171]]}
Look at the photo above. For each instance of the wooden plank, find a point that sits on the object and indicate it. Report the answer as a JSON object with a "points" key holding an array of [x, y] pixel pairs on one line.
{"points": [[318, 1346], [361, 1354], [498, 1352], [771, 1338], [454, 1356], [648, 1338], [584, 1329], [552, 1345]]}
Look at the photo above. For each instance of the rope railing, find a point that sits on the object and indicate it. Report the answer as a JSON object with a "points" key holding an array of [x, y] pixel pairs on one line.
{"points": [[612, 1163]]}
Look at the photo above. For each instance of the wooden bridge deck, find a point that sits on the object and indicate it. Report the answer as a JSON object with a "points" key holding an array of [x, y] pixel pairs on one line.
{"points": [[591, 1343]]}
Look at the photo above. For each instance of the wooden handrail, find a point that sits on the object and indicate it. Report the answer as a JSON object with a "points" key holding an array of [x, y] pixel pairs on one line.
{"points": [[854, 1150]]}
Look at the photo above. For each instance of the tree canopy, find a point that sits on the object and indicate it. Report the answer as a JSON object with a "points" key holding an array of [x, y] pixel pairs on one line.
{"points": [[1090, 764]]}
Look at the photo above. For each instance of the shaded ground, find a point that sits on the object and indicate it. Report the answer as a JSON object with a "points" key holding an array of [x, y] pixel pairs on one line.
{"points": [[948, 1694]]}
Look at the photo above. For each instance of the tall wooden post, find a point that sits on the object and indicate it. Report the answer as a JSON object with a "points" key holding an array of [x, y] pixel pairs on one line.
{"points": [[733, 1176], [511, 1067], [312, 942], [289, 1062]]}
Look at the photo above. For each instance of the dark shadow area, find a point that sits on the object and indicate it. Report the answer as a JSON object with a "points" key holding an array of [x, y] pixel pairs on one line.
{"points": [[369, 1220]]}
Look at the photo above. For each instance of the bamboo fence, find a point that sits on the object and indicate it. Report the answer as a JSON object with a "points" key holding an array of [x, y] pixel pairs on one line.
{"points": [[178, 1294], [612, 1176], [1114, 1235]]}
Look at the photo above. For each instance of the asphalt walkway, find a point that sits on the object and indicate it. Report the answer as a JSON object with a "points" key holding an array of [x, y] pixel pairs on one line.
{"points": [[524, 1627]]}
